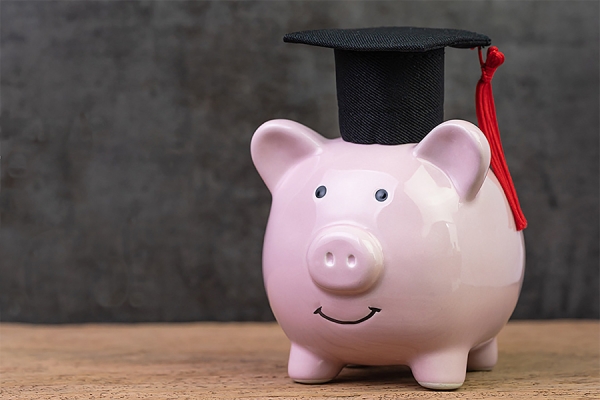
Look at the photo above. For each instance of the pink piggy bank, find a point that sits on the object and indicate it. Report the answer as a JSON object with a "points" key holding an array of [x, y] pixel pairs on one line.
{"points": [[387, 255]]}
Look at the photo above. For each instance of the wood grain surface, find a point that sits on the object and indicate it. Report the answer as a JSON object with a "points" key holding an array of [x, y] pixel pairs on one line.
{"points": [[538, 359]]}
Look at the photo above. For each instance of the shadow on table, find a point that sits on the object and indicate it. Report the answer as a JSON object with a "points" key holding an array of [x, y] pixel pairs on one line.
{"points": [[392, 375]]}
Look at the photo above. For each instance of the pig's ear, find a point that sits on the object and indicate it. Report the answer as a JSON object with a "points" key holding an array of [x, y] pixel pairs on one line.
{"points": [[280, 144], [461, 150]]}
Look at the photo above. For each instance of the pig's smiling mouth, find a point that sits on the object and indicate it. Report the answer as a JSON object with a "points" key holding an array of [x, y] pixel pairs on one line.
{"points": [[374, 311]]}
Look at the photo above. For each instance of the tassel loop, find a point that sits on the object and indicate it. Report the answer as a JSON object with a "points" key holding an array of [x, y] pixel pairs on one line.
{"points": [[486, 117], [488, 67]]}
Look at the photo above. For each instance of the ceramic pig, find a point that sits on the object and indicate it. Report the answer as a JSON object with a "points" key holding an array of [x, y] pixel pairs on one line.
{"points": [[387, 255]]}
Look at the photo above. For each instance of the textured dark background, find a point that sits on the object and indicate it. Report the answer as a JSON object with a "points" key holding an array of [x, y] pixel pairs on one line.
{"points": [[128, 193]]}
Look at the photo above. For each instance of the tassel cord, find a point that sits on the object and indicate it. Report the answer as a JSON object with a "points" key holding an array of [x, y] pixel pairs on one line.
{"points": [[486, 117]]}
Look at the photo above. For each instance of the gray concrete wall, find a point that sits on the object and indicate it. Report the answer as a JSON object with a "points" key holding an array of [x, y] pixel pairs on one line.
{"points": [[128, 193]]}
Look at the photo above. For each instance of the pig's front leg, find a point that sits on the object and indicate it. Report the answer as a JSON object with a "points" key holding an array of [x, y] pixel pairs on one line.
{"points": [[442, 370], [307, 367]]}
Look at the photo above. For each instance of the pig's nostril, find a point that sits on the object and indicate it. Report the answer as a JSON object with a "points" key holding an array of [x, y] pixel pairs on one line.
{"points": [[351, 261], [329, 259]]}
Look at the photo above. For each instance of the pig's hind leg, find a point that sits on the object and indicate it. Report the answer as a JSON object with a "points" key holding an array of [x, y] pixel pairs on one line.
{"points": [[305, 366], [484, 356]]}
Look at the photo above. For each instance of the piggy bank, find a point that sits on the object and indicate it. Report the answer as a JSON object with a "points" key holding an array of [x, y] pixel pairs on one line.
{"points": [[387, 255]]}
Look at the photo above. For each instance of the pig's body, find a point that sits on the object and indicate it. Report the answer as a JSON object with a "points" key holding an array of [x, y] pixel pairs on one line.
{"points": [[421, 278]]}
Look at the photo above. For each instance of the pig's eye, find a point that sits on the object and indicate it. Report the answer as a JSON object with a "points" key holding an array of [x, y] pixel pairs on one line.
{"points": [[320, 192], [381, 195]]}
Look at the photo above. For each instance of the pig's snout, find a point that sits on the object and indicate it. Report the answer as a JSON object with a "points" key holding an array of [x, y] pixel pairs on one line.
{"points": [[345, 259]]}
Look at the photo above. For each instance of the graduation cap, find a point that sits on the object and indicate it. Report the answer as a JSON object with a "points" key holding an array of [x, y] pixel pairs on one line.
{"points": [[390, 87], [390, 80]]}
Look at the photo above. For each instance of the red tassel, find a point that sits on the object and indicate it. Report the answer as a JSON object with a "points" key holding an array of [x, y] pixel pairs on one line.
{"points": [[486, 117]]}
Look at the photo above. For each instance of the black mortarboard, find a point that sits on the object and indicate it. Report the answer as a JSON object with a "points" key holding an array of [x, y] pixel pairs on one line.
{"points": [[390, 80]]}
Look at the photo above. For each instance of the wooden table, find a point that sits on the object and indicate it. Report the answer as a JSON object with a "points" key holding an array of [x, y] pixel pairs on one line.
{"points": [[538, 359]]}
